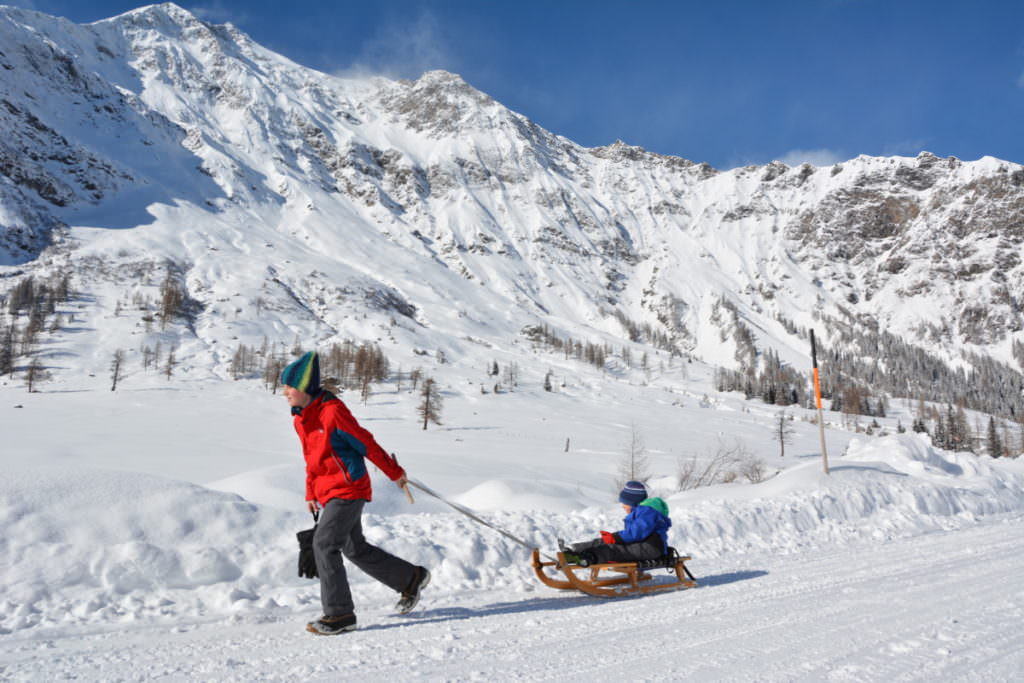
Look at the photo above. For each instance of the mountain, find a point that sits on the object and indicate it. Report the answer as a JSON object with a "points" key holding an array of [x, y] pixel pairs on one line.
{"points": [[154, 152]]}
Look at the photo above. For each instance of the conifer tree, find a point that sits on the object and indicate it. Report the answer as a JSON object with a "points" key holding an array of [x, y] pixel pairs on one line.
{"points": [[995, 444], [430, 406], [7, 349]]}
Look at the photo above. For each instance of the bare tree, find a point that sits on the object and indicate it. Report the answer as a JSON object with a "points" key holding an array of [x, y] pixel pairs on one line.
{"points": [[272, 374], [635, 465], [720, 467], [782, 430], [430, 406], [172, 299], [512, 375], [116, 369], [365, 388], [34, 374], [171, 362], [753, 469]]}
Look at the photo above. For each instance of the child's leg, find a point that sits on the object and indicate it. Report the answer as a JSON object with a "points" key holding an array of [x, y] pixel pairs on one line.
{"points": [[628, 552], [585, 545]]}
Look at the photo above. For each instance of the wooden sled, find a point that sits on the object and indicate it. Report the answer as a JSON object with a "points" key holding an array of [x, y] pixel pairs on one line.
{"points": [[636, 579]]}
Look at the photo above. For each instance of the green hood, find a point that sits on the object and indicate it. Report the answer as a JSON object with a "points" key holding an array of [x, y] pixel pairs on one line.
{"points": [[658, 504]]}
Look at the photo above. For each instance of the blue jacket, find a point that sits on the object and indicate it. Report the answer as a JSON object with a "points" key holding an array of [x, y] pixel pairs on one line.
{"points": [[644, 520]]}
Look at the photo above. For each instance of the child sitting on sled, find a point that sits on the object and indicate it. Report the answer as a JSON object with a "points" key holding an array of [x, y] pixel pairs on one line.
{"points": [[644, 536]]}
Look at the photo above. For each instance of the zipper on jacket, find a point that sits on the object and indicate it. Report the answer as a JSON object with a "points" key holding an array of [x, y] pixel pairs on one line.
{"points": [[341, 467]]}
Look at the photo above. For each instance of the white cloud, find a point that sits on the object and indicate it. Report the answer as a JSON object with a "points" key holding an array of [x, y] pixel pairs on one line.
{"points": [[216, 12], [815, 157], [1020, 81], [404, 50]]}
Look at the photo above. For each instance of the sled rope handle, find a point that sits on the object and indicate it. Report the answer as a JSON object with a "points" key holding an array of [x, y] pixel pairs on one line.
{"points": [[469, 513]]}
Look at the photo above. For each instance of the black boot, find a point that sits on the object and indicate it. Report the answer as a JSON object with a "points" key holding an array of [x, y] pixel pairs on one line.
{"points": [[332, 626], [411, 595]]}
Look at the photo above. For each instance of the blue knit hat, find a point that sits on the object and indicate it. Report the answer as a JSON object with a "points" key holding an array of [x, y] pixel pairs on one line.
{"points": [[303, 374], [633, 493]]}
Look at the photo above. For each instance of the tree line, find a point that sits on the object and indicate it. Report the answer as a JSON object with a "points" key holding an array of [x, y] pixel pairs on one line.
{"points": [[867, 365], [542, 335], [31, 308]]}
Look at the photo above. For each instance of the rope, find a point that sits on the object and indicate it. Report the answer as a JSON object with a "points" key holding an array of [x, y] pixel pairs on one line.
{"points": [[469, 513]]}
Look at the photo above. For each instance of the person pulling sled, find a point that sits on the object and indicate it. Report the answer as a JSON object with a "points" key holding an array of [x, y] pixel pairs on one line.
{"points": [[336, 448]]}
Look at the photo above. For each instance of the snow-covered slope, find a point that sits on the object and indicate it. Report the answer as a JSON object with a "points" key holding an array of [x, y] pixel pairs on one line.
{"points": [[100, 526], [155, 144], [909, 554]]}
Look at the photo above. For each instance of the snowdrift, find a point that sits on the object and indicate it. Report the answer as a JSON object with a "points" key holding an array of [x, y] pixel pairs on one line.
{"points": [[95, 546], [880, 488]]}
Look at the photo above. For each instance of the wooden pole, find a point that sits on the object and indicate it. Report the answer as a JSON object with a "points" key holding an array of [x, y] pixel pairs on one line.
{"points": [[817, 399]]}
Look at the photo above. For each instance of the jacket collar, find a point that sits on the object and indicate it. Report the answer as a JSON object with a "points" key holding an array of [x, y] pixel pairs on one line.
{"points": [[318, 398]]}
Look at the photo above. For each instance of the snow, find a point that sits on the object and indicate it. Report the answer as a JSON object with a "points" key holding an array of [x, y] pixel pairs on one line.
{"points": [[157, 524], [853, 614]]}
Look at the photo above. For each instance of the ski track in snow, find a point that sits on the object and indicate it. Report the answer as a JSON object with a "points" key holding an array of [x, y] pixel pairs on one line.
{"points": [[943, 606]]}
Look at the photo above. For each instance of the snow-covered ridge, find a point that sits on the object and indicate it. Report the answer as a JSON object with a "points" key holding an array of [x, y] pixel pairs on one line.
{"points": [[326, 206]]}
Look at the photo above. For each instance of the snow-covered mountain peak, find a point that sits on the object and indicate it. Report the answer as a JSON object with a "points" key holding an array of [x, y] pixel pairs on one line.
{"points": [[337, 198], [166, 17], [442, 104]]}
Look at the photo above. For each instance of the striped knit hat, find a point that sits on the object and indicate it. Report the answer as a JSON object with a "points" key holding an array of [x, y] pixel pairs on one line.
{"points": [[303, 374], [633, 493]]}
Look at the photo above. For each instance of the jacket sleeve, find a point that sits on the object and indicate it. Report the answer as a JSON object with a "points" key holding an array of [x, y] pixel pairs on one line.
{"points": [[343, 420], [639, 524]]}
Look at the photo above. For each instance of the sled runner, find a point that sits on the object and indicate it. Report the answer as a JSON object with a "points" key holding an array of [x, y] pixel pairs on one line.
{"points": [[635, 579]]}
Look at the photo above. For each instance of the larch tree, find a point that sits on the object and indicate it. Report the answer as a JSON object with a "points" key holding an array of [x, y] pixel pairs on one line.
{"points": [[430, 406], [782, 430]]}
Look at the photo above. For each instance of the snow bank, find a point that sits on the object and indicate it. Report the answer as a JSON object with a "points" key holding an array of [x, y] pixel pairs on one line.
{"points": [[93, 546], [880, 488], [88, 545]]}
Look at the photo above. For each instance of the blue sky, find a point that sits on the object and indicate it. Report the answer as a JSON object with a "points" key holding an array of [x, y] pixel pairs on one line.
{"points": [[726, 82]]}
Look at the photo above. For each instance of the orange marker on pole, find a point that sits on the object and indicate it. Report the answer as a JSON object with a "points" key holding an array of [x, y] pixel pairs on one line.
{"points": [[817, 401]]}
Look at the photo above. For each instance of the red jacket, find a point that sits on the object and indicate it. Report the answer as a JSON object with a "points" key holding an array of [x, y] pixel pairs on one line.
{"points": [[336, 449]]}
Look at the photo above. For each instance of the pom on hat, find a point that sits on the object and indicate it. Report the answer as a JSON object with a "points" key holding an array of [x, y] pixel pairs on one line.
{"points": [[303, 374], [633, 493]]}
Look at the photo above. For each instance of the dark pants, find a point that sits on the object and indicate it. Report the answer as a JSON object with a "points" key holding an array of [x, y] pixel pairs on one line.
{"points": [[340, 532], [651, 548]]}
